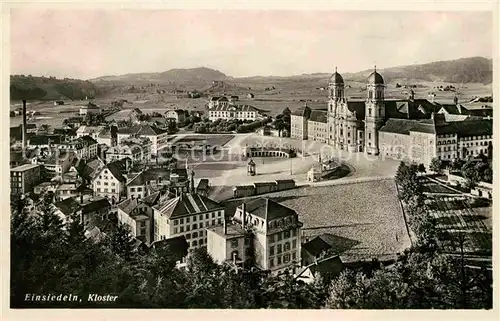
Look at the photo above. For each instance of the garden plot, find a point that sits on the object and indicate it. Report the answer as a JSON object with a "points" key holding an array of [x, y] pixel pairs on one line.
{"points": [[455, 215]]}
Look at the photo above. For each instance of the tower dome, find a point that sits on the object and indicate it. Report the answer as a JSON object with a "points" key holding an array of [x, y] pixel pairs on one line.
{"points": [[375, 78], [336, 78]]}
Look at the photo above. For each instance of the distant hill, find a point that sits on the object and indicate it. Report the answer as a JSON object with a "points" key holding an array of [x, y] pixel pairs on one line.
{"points": [[466, 70], [200, 75], [50, 88]]}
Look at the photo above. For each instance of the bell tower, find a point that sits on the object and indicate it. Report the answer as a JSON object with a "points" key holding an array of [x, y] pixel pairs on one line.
{"points": [[335, 99], [374, 111]]}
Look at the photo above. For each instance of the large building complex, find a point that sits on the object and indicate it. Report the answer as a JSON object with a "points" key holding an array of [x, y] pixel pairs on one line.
{"points": [[397, 128], [23, 178], [229, 111]]}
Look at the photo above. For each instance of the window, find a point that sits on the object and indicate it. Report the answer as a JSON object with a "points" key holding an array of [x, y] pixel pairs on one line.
{"points": [[294, 232], [194, 218], [279, 260], [286, 258], [213, 222], [176, 222], [234, 243], [195, 226], [220, 214], [175, 230], [105, 190], [188, 228], [294, 256], [206, 216], [294, 244], [219, 221], [287, 246], [213, 215], [271, 250], [286, 234], [278, 249], [271, 238], [181, 230], [187, 219], [271, 262], [201, 224], [98, 189], [105, 183], [201, 241], [279, 236], [369, 135], [188, 236]]}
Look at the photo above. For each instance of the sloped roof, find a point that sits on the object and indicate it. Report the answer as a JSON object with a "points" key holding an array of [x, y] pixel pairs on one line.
{"points": [[95, 205], [316, 246], [318, 116], [187, 204], [44, 139], [142, 130], [116, 168], [178, 245], [68, 206], [151, 174], [268, 209], [302, 111], [202, 184], [358, 107], [328, 268]]}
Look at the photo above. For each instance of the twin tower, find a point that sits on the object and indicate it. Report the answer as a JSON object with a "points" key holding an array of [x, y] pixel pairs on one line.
{"points": [[353, 125]]}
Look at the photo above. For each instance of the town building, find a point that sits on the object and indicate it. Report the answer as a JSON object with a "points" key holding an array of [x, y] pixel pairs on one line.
{"points": [[104, 137], [317, 126], [157, 136], [88, 109], [59, 162], [262, 234], [84, 147], [92, 131], [240, 112], [110, 181], [126, 150], [298, 123], [422, 140], [23, 178], [177, 115], [147, 181], [187, 215], [137, 215], [217, 102]]}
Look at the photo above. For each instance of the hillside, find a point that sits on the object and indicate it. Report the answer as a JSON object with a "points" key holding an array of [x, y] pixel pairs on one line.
{"points": [[44, 88], [199, 75]]}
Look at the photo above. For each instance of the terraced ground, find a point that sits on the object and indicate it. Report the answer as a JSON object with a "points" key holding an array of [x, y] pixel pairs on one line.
{"points": [[365, 218], [455, 215]]}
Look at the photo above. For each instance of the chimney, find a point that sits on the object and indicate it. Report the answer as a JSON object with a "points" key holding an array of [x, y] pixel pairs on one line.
{"points": [[225, 224], [243, 214], [24, 130]]}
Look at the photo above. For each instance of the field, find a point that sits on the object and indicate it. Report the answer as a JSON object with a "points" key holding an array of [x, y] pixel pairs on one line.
{"points": [[366, 217]]}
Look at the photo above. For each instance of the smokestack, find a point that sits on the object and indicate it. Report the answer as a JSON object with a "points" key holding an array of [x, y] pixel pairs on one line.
{"points": [[24, 133], [243, 214]]}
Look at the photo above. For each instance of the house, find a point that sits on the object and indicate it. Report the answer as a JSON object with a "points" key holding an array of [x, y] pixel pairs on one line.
{"points": [[93, 211], [87, 169], [149, 180], [177, 115], [74, 122], [157, 136], [67, 133], [317, 128], [126, 150], [263, 234], [135, 115], [23, 178], [327, 268], [137, 215], [234, 98], [177, 247], [47, 141], [67, 209], [187, 215], [44, 187], [67, 190], [109, 182], [217, 102], [59, 162], [88, 109], [104, 138]]}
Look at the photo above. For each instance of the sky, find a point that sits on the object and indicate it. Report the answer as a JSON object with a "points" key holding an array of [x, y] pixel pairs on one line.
{"points": [[91, 43]]}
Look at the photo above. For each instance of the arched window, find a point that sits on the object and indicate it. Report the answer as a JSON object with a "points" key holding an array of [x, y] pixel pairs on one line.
{"points": [[195, 243]]}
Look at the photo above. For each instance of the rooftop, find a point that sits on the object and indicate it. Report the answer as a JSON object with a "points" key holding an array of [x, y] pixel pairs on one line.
{"points": [[187, 204], [24, 167], [232, 231], [268, 209]]}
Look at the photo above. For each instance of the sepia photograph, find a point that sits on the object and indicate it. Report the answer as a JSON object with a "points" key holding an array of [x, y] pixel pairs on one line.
{"points": [[250, 159]]}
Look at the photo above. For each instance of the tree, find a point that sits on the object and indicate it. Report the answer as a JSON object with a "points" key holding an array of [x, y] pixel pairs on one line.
{"points": [[421, 168], [436, 165]]}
